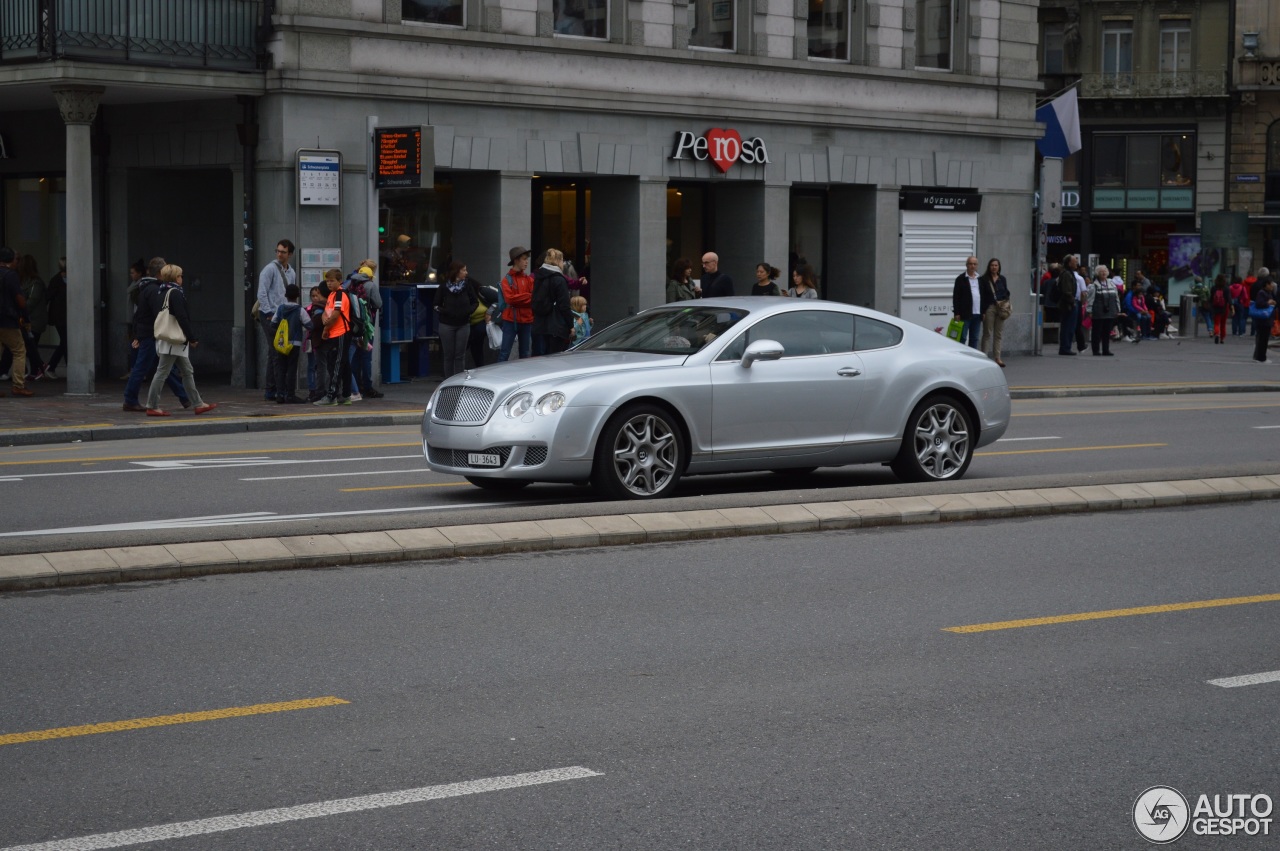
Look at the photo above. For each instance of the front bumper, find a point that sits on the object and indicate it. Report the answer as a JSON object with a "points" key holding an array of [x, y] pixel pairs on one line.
{"points": [[555, 448]]}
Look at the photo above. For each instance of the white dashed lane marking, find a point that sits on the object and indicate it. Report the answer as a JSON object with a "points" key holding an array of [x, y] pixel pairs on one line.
{"points": [[280, 815], [1247, 680]]}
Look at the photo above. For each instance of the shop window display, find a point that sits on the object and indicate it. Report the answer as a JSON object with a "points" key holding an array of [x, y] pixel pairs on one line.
{"points": [[1177, 160], [1109, 154], [415, 240]]}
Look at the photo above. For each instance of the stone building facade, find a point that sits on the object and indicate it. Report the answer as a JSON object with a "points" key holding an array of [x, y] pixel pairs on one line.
{"points": [[888, 140]]}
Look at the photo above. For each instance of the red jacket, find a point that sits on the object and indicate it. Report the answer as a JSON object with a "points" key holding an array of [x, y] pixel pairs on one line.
{"points": [[517, 293]]}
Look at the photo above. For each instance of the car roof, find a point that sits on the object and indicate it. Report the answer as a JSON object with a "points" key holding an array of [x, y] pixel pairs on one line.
{"points": [[759, 305]]}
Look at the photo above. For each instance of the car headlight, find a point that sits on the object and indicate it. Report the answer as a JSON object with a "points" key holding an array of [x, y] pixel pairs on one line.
{"points": [[518, 405], [550, 403]]}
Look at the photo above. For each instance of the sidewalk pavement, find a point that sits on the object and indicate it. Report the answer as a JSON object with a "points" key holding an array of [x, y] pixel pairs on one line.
{"points": [[1182, 365]]}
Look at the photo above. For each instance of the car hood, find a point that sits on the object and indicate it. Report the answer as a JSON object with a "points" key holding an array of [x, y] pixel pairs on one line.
{"points": [[565, 367]]}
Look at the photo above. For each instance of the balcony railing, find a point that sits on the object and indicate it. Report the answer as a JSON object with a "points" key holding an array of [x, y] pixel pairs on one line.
{"points": [[1159, 84], [205, 33]]}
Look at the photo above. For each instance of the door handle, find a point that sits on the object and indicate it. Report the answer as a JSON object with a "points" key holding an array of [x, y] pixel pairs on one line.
{"points": [[848, 371]]}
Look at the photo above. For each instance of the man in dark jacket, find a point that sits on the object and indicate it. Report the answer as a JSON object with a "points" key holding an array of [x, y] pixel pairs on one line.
{"points": [[969, 301], [715, 284], [144, 320], [552, 315], [1068, 305], [1266, 297]]}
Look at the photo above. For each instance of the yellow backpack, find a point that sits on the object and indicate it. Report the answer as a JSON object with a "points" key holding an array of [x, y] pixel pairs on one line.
{"points": [[282, 343]]}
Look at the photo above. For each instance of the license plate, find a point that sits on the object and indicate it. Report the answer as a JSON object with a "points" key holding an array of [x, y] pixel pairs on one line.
{"points": [[483, 459]]}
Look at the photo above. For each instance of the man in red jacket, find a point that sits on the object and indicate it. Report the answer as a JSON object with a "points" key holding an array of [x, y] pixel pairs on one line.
{"points": [[517, 300]]}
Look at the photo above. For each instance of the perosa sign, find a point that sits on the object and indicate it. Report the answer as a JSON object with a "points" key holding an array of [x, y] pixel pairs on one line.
{"points": [[722, 147]]}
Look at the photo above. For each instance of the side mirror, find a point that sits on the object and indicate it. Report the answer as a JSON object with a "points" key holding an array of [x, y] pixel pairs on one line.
{"points": [[761, 350]]}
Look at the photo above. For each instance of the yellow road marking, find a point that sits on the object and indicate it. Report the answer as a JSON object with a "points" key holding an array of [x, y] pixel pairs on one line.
{"points": [[335, 433], [406, 487], [210, 454], [1071, 449], [1170, 410], [65, 427], [166, 720], [1114, 613]]}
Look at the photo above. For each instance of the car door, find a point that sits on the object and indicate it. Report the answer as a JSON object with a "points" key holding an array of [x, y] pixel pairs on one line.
{"points": [[799, 405], [881, 411]]}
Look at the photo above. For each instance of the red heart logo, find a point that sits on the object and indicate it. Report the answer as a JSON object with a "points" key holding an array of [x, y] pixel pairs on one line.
{"points": [[724, 147]]}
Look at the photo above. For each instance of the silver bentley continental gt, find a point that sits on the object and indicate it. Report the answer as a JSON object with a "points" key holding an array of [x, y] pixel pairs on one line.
{"points": [[720, 386]]}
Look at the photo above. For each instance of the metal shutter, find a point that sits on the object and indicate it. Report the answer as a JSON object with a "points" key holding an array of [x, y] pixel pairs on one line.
{"points": [[934, 246]]}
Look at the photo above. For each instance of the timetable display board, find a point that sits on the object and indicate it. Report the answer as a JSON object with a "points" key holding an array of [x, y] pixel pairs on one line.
{"points": [[319, 178], [403, 157]]}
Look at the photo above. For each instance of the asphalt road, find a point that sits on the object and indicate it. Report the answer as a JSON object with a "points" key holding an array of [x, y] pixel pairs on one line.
{"points": [[214, 487], [783, 692]]}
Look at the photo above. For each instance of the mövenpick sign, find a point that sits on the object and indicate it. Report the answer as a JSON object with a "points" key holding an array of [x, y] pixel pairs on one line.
{"points": [[722, 147]]}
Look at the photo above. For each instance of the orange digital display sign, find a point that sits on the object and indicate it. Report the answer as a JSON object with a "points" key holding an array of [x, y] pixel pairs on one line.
{"points": [[399, 157]]}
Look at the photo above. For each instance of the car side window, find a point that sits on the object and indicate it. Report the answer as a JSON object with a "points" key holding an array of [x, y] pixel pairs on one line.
{"points": [[802, 334], [874, 334]]}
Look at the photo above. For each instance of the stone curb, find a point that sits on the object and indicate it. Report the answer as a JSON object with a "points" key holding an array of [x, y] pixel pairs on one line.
{"points": [[1140, 390], [171, 561]]}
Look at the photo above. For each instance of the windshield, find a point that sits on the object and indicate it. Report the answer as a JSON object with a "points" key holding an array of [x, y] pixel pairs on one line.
{"points": [[665, 331]]}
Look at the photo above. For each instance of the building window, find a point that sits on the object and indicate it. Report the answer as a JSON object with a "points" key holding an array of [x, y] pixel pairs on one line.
{"points": [[1175, 47], [1273, 168], [1117, 50], [1177, 160], [711, 24], [933, 34], [1053, 40], [1109, 158], [432, 11], [829, 29], [583, 18]]}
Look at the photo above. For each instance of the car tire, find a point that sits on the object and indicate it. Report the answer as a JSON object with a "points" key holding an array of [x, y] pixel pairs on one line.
{"points": [[640, 454], [937, 444], [491, 484]]}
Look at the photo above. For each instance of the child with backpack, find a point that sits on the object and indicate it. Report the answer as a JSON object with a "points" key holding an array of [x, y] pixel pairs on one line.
{"points": [[366, 299], [581, 321], [317, 373], [289, 320], [1240, 302]]}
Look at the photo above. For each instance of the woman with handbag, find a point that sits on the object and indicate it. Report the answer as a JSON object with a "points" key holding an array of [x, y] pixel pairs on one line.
{"points": [[997, 312], [174, 339]]}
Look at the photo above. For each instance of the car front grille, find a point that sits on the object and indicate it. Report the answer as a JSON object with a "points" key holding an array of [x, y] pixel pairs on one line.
{"points": [[535, 455], [458, 457], [463, 404]]}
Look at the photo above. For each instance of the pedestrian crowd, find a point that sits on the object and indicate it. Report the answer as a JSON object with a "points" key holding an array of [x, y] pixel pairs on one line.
{"points": [[540, 312]]}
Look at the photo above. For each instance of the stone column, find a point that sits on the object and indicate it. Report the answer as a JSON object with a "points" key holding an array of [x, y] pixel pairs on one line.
{"points": [[79, 106], [777, 233]]}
